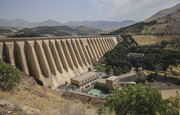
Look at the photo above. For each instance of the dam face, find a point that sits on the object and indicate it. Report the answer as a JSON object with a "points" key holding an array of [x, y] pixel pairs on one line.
{"points": [[54, 61]]}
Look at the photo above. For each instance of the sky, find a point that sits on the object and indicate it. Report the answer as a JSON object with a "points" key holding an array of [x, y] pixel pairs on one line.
{"points": [[81, 10]]}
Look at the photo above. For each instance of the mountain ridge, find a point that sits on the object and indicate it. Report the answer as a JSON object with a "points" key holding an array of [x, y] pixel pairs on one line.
{"points": [[93, 24], [167, 24], [166, 11]]}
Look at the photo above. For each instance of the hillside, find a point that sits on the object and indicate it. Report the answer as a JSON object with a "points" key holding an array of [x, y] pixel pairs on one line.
{"points": [[166, 25], [26, 24], [165, 11], [29, 98], [48, 31], [105, 25]]}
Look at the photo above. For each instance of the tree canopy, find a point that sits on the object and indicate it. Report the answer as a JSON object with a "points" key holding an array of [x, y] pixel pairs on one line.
{"points": [[139, 100]]}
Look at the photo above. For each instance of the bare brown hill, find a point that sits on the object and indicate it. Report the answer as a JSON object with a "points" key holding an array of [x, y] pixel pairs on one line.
{"points": [[165, 25]]}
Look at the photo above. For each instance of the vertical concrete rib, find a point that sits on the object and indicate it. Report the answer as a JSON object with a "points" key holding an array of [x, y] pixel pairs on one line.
{"points": [[97, 46], [32, 61], [69, 72], [102, 40], [108, 44], [105, 47], [87, 55], [49, 57], [80, 52], [9, 51], [95, 49], [111, 42], [100, 46], [76, 52], [69, 58], [92, 50], [55, 56], [61, 55], [72, 56], [20, 58], [66, 55], [42, 58], [115, 40]]}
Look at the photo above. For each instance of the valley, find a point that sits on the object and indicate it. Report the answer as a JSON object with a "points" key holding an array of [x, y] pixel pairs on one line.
{"points": [[91, 67]]}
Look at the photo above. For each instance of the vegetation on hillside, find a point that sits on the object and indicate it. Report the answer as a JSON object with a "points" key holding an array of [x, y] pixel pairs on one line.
{"points": [[134, 29], [139, 100], [9, 76], [55, 31], [156, 57]]}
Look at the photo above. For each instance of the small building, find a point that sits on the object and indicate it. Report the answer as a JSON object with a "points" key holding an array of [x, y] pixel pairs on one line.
{"points": [[112, 81], [107, 84], [85, 81]]}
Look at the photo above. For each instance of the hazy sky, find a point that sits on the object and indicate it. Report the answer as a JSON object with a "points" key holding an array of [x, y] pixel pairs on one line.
{"points": [[78, 10]]}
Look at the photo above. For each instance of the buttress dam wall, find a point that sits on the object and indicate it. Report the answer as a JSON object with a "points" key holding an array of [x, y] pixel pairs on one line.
{"points": [[54, 61]]}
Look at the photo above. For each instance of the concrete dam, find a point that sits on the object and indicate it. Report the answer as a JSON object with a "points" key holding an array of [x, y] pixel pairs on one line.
{"points": [[54, 61]]}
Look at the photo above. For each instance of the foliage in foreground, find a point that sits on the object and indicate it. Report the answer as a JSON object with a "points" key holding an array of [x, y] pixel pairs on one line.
{"points": [[9, 76], [136, 100]]}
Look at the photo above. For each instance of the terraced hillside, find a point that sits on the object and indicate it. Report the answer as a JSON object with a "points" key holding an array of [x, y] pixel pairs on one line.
{"points": [[153, 39]]}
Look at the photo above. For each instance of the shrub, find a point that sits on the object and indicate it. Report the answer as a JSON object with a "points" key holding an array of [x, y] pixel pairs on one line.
{"points": [[139, 100], [9, 76], [152, 76], [141, 79]]}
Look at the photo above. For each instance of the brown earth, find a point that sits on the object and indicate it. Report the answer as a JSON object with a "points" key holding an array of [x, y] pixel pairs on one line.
{"points": [[31, 98], [152, 39]]}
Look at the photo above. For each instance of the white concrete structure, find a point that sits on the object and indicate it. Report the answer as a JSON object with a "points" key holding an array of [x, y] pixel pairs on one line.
{"points": [[54, 61]]}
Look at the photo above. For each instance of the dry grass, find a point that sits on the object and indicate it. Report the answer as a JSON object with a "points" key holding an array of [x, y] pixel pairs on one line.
{"points": [[150, 39], [48, 101], [170, 72]]}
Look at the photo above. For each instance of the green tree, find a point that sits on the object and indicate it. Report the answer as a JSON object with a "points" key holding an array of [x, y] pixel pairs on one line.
{"points": [[125, 69], [139, 100], [108, 70], [152, 76], [141, 79], [117, 70], [9, 76]]}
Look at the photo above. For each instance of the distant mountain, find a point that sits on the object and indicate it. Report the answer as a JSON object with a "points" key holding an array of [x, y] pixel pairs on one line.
{"points": [[166, 11], [23, 23], [15, 23], [47, 23], [93, 24], [101, 24]]}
